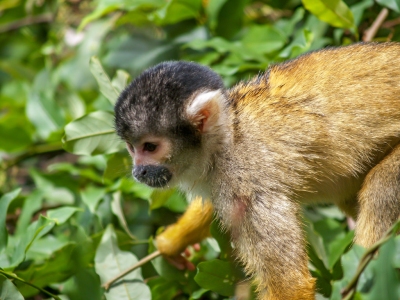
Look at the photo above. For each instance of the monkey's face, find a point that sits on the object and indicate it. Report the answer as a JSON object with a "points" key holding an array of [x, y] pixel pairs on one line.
{"points": [[164, 116], [149, 155]]}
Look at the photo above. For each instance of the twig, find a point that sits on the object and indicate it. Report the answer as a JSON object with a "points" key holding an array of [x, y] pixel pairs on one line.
{"points": [[371, 31], [8, 275], [349, 291], [35, 150], [391, 23], [43, 18], [134, 267]]}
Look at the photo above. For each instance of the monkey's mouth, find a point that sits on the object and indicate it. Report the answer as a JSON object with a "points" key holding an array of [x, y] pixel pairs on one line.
{"points": [[152, 175]]}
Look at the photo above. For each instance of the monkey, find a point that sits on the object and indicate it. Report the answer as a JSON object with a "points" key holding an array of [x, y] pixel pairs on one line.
{"points": [[323, 127]]}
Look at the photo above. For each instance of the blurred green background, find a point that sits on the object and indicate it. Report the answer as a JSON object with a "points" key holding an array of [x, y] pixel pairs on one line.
{"points": [[71, 217]]}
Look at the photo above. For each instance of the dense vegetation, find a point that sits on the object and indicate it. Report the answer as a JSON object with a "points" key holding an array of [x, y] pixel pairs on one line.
{"points": [[71, 217]]}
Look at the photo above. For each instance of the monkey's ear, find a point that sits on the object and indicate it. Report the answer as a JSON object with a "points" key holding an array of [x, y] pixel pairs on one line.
{"points": [[206, 110]]}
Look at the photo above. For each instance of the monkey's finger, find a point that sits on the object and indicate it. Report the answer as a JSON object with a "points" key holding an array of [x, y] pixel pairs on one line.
{"points": [[196, 247], [180, 262]]}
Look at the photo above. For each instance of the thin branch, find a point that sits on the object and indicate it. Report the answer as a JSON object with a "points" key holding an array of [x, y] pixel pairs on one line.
{"points": [[370, 33], [35, 150], [391, 23], [15, 277], [349, 291], [43, 18], [131, 269]]}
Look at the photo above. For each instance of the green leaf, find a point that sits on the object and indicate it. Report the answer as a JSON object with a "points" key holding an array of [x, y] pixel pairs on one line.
{"points": [[166, 270], [337, 247], [91, 196], [386, 282], [334, 12], [8, 291], [300, 44], [31, 205], [392, 4], [116, 208], [118, 165], [159, 197], [44, 113], [56, 268], [42, 108], [13, 136], [120, 81], [316, 242], [104, 7], [92, 134], [175, 11], [162, 288], [5, 201], [213, 9], [261, 40], [62, 214], [218, 276], [36, 230], [223, 240], [359, 8], [104, 82], [110, 261], [230, 18], [350, 262]]}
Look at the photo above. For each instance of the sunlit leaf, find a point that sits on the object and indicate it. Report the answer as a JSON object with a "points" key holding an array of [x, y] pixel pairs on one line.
{"points": [[386, 280], [104, 82], [120, 81], [92, 134], [218, 276], [110, 261], [392, 4], [5, 201], [334, 12], [8, 291], [62, 214], [36, 230]]}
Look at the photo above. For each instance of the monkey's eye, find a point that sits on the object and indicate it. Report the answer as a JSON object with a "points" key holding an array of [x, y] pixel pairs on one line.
{"points": [[150, 147]]}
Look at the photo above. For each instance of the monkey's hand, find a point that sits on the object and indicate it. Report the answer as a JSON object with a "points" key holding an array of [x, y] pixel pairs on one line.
{"points": [[190, 229]]}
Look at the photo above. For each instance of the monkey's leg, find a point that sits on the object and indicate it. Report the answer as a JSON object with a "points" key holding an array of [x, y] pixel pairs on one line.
{"points": [[268, 237], [191, 228], [379, 200]]}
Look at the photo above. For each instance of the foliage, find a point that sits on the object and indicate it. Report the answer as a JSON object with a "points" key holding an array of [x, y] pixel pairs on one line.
{"points": [[70, 215]]}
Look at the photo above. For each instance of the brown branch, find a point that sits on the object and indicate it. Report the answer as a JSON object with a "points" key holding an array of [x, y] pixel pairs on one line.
{"points": [[370, 33], [43, 18], [140, 263], [391, 23], [34, 150]]}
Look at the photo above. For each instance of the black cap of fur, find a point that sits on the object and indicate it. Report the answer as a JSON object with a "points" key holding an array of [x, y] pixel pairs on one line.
{"points": [[154, 102]]}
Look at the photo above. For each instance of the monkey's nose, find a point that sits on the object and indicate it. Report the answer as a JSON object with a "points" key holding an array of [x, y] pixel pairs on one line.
{"points": [[154, 176]]}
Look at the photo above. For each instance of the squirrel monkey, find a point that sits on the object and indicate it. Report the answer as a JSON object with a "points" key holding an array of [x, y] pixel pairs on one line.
{"points": [[322, 127]]}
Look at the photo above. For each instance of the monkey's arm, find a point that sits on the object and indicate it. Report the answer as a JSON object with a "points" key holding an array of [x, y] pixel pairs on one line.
{"points": [[191, 228]]}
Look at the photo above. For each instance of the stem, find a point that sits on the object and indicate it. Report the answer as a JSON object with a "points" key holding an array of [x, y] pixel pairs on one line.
{"points": [[371, 31], [43, 18], [34, 150], [134, 267], [349, 291], [8, 275]]}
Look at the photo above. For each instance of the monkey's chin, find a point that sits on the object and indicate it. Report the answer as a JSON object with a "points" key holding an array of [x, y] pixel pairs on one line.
{"points": [[155, 183]]}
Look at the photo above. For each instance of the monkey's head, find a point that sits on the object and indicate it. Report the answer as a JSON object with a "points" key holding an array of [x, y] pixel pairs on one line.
{"points": [[169, 118]]}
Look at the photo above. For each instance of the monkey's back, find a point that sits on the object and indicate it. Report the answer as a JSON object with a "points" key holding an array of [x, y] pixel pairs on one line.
{"points": [[338, 108]]}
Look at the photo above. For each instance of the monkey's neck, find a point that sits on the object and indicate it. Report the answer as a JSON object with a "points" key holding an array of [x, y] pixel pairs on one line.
{"points": [[198, 181]]}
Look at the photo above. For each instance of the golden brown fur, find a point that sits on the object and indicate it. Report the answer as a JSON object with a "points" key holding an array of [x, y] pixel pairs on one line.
{"points": [[324, 127]]}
